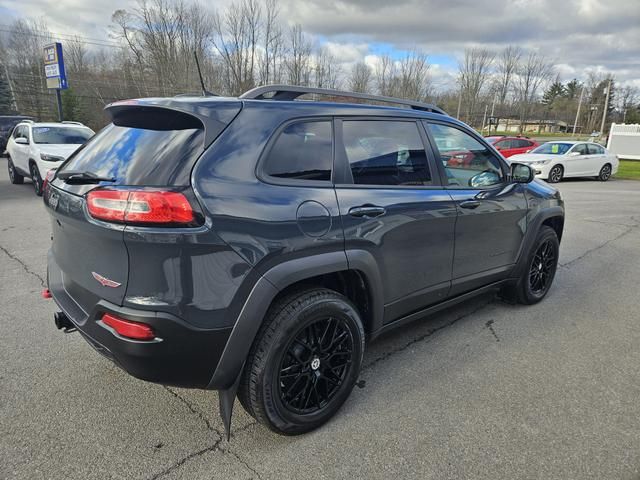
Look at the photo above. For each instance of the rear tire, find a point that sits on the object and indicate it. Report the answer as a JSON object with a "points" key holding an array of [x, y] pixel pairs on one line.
{"points": [[36, 179], [538, 271], [605, 172], [304, 361], [555, 174], [14, 176]]}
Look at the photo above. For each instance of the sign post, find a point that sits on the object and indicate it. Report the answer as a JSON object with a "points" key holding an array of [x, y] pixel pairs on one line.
{"points": [[55, 73]]}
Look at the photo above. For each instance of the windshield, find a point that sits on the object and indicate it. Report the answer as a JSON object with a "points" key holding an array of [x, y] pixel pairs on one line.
{"points": [[553, 148], [61, 135]]}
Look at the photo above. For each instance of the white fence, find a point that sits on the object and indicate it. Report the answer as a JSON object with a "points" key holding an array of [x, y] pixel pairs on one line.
{"points": [[624, 141]]}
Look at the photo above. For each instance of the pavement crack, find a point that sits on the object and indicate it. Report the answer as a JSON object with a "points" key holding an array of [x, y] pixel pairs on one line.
{"points": [[184, 460], [24, 266], [246, 464], [193, 410], [489, 325], [629, 229], [422, 337]]}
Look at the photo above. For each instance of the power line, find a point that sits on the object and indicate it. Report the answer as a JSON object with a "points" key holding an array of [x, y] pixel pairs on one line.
{"points": [[60, 36]]}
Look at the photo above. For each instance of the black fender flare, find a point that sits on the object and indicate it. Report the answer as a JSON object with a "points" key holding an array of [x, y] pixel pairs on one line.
{"points": [[274, 281], [533, 227]]}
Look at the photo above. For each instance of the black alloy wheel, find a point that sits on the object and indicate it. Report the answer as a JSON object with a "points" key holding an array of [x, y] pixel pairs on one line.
{"points": [[542, 268], [314, 365], [304, 361], [36, 179]]}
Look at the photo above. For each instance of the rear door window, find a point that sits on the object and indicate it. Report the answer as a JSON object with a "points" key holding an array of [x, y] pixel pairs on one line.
{"points": [[595, 149], [382, 152], [303, 151]]}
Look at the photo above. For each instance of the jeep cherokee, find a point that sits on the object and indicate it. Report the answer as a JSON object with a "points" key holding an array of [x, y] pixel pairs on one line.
{"points": [[251, 245]]}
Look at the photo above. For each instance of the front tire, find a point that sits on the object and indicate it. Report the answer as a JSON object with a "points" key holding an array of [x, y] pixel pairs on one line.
{"points": [[605, 173], [304, 361], [555, 174], [539, 270], [14, 176], [36, 179]]}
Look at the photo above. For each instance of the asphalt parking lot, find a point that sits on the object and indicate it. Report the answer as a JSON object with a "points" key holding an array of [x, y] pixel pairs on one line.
{"points": [[486, 390]]}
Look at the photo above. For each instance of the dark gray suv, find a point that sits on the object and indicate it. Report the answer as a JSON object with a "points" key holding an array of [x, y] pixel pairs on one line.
{"points": [[252, 245]]}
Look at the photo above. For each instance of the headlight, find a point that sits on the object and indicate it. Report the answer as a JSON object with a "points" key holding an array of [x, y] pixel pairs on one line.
{"points": [[540, 162], [51, 158]]}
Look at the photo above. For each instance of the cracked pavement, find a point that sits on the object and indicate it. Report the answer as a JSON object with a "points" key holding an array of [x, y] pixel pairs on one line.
{"points": [[483, 390]]}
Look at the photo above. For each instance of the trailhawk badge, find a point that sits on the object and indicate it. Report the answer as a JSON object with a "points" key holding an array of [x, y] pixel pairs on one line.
{"points": [[104, 281]]}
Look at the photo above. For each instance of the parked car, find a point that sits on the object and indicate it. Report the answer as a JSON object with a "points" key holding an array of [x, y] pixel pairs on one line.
{"points": [[509, 146], [36, 148], [254, 245], [7, 122], [554, 161]]}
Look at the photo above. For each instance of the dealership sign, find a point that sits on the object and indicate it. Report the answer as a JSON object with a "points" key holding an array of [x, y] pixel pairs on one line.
{"points": [[54, 66]]}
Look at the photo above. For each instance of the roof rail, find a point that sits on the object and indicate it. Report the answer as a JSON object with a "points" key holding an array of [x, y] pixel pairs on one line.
{"points": [[26, 120], [291, 92], [72, 122]]}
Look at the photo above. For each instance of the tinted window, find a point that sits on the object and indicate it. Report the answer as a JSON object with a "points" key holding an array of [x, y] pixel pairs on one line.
{"points": [[138, 156], [520, 143], [303, 151], [581, 149], [504, 144], [553, 148], [595, 149], [61, 135], [385, 153], [464, 158]]}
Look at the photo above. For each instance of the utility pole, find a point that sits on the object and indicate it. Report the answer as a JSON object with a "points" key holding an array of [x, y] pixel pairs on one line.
{"points": [[606, 107], [484, 118], [578, 112], [459, 102], [493, 107]]}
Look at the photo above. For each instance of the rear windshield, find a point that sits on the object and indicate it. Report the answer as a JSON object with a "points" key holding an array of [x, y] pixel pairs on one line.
{"points": [[140, 156], [61, 135]]}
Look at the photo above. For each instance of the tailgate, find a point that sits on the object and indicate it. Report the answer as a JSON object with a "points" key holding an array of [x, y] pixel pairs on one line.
{"points": [[91, 255]]}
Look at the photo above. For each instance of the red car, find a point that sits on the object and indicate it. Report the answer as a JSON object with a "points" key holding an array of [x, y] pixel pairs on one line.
{"points": [[508, 146]]}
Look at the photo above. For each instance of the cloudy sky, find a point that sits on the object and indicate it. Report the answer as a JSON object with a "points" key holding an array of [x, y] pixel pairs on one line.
{"points": [[578, 35]]}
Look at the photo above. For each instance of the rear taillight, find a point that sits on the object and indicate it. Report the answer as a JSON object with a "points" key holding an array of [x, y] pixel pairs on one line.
{"points": [[48, 177], [140, 206], [129, 328]]}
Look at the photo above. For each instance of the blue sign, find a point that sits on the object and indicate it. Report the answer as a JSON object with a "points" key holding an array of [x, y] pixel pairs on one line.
{"points": [[54, 67]]}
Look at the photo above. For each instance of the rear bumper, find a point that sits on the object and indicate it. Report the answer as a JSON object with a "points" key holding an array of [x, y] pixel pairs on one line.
{"points": [[181, 355]]}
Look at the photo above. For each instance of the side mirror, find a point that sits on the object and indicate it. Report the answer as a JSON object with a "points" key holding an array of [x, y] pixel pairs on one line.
{"points": [[22, 141], [521, 173]]}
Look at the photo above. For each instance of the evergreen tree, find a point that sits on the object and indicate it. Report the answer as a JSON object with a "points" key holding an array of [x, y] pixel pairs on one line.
{"points": [[6, 98], [572, 89], [555, 91], [71, 106]]}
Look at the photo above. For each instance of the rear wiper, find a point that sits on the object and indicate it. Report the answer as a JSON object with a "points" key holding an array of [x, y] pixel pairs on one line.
{"points": [[77, 177]]}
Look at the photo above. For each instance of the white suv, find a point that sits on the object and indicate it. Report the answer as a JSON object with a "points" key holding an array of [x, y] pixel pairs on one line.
{"points": [[36, 148]]}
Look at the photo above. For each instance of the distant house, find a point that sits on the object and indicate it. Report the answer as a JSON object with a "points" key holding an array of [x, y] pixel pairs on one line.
{"points": [[538, 126]]}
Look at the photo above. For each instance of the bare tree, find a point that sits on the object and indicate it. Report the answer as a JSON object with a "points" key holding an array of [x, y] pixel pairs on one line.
{"points": [[298, 62], [506, 66], [532, 73], [326, 72], [413, 77], [236, 35], [271, 60], [360, 78], [386, 77], [473, 72]]}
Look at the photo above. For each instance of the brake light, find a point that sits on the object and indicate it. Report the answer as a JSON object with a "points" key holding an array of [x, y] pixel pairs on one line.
{"points": [[129, 328], [140, 206], [48, 177]]}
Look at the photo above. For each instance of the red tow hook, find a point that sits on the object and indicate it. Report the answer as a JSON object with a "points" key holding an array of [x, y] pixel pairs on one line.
{"points": [[46, 294]]}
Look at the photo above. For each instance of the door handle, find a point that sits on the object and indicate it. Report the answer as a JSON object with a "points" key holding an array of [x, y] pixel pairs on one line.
{"points": [[367, 211], [470, 204]]}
